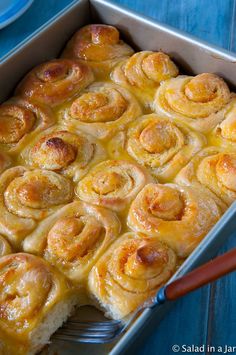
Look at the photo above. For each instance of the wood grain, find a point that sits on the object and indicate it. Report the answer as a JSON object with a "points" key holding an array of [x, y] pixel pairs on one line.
{"points": [[39, 13], [186, 323], [222, 316], [209, 20]]}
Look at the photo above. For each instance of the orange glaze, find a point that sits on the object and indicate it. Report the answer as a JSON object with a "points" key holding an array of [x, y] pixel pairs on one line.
{"points": [[110, 142]]}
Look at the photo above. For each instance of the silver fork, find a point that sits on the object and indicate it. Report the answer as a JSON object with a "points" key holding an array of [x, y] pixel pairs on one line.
{"points": [[107, 331]]}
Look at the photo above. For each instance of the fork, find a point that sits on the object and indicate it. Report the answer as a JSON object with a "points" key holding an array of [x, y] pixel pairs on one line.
{"points": [[99, 332]]}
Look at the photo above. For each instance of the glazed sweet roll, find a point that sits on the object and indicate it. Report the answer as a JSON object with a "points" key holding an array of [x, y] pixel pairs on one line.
{"points": [[162, 145], [99, 46], [19, 119], [35, 299], [197, 101], [179, 216], [74, 238], [5, 247], [55, 81], [224, 134], [112, 184], [101, 110], [64, 152], [130, 272], [143, 72], [27, 196], [214, 170]]}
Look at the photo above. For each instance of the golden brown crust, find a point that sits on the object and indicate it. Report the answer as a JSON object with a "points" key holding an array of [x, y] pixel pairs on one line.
{"points": [[74, 238], [179, 216], [113, 184], [73, 151], [101, 110], [27, 196], [54, 82], [15, 122], [64, 152], [161, 145], [23, 305], [130, 272], [224, 134], [99, 46], [196, 101], [214, 170], [20, 119], [143, 72]]}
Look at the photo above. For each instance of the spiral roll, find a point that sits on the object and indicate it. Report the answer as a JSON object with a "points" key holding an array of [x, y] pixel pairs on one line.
{"points": [[99, 46], [179, 216], [112, 184], [213, 170], [162, 145], [55, 81], [64, 152], [27, 196], [143, 72], [101, 110], [74, 238], [113, 168], [224, 134], [19, 119], [130, 272], [197, 101], [30, 289]]}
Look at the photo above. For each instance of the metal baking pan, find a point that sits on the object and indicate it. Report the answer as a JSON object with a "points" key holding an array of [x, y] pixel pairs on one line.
{"points": [[192, 56]]}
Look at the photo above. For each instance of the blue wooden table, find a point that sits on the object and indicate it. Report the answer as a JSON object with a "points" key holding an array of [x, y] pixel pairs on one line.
{"points": [[207, 316]]}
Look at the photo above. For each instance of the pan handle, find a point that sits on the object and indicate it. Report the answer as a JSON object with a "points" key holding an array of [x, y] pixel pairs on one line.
{"points": [[197, 278]]}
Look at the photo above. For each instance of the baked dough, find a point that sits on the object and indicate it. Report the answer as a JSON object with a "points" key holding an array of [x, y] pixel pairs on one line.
{"points": [[162, 145], [179, 216], [54, 82], [35, 299], [113, 184], [130, 272], [27, 196], [99, 46], [224, 134], [113, 168], [196, 101], [68, 153], [101, 110], [5, 161], [143, 72], [20, 119], [5, 247], [74, 237], [213, 170]]}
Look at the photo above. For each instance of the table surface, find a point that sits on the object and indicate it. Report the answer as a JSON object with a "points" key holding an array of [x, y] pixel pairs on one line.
{"points": [[207, 316]]}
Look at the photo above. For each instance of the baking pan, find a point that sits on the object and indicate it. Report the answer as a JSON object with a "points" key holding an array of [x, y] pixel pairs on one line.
{"points": [[192, 56]]}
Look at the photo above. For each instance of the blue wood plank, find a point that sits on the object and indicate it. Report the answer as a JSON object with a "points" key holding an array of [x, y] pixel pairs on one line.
{"points": [[185, 324], [233, 29], [206, 19], [39, 13], [222, 315]]}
